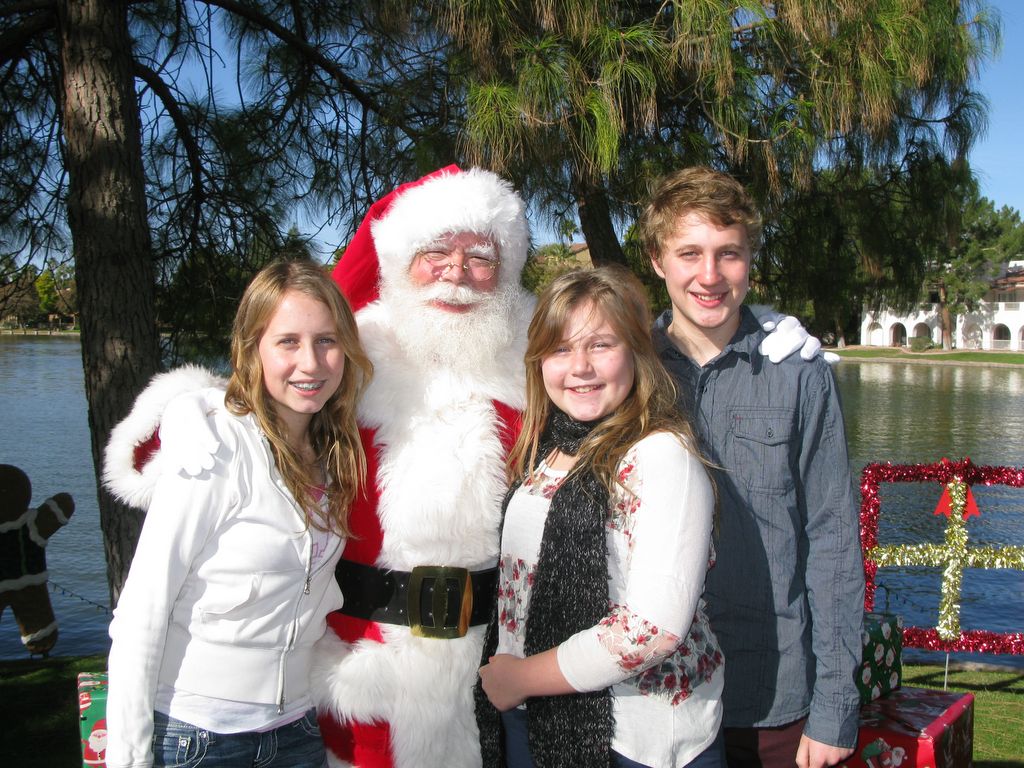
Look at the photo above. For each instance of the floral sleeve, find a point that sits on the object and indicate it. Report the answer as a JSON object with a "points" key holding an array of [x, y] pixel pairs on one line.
{"points": [[659, 541], [634, 643]]}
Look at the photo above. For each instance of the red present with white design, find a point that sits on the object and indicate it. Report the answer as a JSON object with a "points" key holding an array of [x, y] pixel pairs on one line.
{"points": [[92, 712], [916, 728]]}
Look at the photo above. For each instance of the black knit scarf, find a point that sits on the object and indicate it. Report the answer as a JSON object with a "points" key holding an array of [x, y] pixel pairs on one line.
{"points": [[569, 594]]}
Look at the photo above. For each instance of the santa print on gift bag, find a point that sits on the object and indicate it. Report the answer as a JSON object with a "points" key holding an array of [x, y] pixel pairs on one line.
{"points": [[916, 727], [92, 699], [881, 668]]}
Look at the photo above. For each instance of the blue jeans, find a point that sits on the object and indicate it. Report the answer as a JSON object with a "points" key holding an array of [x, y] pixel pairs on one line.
{"points": [[298, 744], [517, 748]]}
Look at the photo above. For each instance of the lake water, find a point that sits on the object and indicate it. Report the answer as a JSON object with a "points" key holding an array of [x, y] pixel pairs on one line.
{"points": [[915, 413], [894, 412], [44, 430]]}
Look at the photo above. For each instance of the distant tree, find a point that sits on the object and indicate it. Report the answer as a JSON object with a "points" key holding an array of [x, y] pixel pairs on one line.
{"points": [[46, 288], [64, 284], [851, 238], [980, 240], [203, 295], [1011, 241], [56, 288], [19, 300], [546, 263]]}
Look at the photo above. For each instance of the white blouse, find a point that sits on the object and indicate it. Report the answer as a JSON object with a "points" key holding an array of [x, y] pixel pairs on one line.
{"points": [[654, 647]]}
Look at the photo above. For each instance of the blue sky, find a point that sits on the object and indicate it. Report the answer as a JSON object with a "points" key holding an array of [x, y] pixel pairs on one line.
{"points": [[998, 158]]}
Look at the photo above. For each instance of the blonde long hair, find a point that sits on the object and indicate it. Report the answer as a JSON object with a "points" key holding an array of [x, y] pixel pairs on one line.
{"points": [[333, 431], [614, 294]]}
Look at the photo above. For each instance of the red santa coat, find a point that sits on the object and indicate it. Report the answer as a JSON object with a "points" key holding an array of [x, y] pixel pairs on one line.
{"points": [[435, 441]]}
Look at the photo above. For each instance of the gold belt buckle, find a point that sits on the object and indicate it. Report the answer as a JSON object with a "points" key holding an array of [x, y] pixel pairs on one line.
{"points": [[441, 574]]}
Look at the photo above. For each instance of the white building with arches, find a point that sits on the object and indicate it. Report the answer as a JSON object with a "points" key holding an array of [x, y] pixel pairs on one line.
{"points": [[996, 323]]}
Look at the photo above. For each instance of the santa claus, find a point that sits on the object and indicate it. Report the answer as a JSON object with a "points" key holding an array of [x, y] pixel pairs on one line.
{"points": [[433, 275], [446, 336]]}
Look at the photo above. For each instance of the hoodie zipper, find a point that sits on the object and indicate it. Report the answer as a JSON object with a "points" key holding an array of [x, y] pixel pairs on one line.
{"points": [[294, 628]]}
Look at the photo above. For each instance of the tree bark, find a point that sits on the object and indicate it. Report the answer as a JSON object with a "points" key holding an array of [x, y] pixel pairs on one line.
{"points": [[840, 333], [596, 224], [946, 319], [110, 238]]}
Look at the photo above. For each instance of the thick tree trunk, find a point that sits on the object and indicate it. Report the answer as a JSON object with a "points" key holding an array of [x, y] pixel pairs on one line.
{"points": [[946, 319], [111, 238], [840, 333], [596, 223]]}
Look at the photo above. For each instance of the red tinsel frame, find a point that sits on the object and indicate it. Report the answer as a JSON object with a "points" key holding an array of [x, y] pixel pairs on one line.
{"points": [[943, 472]]}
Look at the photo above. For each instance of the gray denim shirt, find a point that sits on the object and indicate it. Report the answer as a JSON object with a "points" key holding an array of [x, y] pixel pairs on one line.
{"points": [[786, 596]]}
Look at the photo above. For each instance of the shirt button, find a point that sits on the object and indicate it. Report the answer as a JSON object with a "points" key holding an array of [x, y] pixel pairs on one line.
{"points": [[771, 432]]}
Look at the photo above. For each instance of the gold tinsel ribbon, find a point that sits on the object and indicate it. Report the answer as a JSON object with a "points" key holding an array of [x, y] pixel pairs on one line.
{"points": [[952, 556]]}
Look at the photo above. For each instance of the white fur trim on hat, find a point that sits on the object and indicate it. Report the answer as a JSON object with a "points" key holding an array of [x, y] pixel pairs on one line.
{"points": [[467, 201]]}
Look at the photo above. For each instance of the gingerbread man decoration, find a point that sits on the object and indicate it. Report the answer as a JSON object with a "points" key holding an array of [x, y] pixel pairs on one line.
{"points": [[23, 536]]}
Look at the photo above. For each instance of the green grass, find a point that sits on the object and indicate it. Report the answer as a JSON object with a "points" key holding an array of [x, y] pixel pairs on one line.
{"points": [[938, 355], [39, 706]]}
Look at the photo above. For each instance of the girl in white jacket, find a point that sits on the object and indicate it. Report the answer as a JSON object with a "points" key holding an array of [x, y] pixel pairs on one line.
{"points": [[234, 572]]}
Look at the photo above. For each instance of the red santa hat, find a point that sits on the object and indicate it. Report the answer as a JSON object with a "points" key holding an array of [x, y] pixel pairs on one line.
{"points": [[414, 214]]}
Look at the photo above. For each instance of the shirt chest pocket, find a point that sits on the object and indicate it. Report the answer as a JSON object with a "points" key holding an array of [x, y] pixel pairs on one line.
{"points": [[758, 448]]}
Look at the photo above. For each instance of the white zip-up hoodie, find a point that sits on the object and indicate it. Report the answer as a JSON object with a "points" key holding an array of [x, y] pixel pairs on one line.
{"points": [[221, 599]]}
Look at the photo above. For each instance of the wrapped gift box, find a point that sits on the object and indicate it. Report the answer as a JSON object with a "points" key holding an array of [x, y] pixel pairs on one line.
{"points": [[881, 668], [916, 728], [92, 710]]}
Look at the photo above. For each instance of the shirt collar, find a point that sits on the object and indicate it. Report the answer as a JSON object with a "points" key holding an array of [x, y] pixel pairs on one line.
{"points": [[744, 342]]}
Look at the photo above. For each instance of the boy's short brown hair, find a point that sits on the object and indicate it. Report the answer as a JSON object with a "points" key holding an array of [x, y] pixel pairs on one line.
{"points": [[710, 193]]}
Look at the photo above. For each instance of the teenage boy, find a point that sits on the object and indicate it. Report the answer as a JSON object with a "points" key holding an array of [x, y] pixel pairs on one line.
{"points": [[786, 595]]}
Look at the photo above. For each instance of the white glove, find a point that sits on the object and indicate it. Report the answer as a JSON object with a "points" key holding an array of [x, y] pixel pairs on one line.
{"points": [[785, 337], [187, 443], [132, 477]]}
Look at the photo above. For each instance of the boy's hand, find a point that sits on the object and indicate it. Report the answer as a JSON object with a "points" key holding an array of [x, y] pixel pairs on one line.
{"points": [[814, 754]]}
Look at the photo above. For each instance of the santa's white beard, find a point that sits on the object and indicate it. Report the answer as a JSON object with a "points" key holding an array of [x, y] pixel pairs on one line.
{"points": [[461, 341]]}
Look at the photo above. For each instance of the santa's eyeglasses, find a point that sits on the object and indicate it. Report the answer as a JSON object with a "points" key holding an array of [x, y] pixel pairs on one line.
{"points": [[479, 267]]}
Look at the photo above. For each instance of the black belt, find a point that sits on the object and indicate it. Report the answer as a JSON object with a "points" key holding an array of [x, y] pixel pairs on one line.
{"points": [[458, 597]]}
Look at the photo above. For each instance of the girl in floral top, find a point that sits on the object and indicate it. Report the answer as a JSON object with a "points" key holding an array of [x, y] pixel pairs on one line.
{"points": [[599, 653]]}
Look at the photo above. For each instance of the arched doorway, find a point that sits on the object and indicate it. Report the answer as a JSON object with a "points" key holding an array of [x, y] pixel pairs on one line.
{"points": [[922, 331], [972, 336], [898, 335], [1000, 336], [876, 337]]}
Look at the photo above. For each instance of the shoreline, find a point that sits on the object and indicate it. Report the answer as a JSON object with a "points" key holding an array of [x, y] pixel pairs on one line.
{"points": [[911, 361], [37, 332], [857, 353], [854, 353]]}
